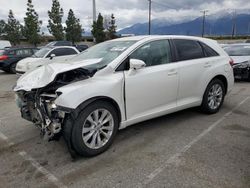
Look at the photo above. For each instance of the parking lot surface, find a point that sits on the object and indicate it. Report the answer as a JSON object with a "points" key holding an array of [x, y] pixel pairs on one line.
{"points": [[184, 149]]}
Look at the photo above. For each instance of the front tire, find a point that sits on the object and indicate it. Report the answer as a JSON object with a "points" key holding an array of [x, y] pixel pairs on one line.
{"points": [[94, 129], [213, 97]]}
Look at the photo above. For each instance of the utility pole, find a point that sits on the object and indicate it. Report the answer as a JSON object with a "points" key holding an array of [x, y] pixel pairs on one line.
{"points": [[203, 22], [248, 28], [149, 17], [94, 11], [234, 24], [94, 17]]}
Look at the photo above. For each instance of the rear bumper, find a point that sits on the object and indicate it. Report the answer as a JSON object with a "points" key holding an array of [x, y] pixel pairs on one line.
{"points": [[4, 65]]}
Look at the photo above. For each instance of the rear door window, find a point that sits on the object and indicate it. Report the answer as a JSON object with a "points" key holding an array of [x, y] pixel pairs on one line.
{"points": [[63, 51], [19, 52], [24, 52], [27, 52], [188, 49]]}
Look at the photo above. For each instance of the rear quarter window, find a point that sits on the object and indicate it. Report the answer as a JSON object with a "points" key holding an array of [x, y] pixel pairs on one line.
{"points": [[209, 52], [188, 49]]}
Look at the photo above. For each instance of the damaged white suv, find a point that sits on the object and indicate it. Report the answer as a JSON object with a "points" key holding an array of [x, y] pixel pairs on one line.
{"points": [[122, 82]]}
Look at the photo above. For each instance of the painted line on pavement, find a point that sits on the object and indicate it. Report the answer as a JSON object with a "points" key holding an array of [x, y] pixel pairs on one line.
{"points": [[43, 170], [51, 177], [175, 157]]}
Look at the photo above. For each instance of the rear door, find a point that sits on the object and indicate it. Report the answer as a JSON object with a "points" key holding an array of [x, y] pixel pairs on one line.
{"points": [[152, 90], [194, 68]]}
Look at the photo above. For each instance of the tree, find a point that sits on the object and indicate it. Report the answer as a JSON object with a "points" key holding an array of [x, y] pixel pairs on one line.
{"points": [[32, 24], [106, 21], [98, 29], [73, 28], [2, 27], [13, 29], [112, 28], [55, 20]]}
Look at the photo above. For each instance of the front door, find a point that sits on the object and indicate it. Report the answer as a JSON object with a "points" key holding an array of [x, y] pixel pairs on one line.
{"points": [[152, 90]]}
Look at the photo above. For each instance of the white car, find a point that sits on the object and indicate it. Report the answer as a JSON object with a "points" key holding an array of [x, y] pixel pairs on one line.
{"points": [[45, 55], [4, 44], [122, 82]]}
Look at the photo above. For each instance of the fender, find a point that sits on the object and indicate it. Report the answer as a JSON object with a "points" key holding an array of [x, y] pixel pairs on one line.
{"points": [[108, 86]]}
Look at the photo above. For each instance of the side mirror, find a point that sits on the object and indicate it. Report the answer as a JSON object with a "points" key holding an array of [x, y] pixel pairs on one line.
{"points": [[136, 64], [52, 56]]}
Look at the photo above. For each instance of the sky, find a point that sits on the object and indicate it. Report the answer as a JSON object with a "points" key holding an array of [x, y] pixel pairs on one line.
{"points": [[127, 12]]}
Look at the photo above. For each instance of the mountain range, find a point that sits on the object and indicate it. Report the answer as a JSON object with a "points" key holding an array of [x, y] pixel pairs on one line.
{"points": [[216, 24]]}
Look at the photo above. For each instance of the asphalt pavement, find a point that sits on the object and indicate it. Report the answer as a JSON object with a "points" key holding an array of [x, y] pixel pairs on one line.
{"points": [[184, 149]]}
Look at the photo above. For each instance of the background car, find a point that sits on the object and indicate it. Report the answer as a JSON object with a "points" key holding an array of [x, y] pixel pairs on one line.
{"points": [[240, 53], [43, 56], [9, 57], [5, 44], [59, 43]]}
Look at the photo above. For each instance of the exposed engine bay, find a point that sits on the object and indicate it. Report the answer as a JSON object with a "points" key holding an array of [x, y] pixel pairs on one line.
{"points": [[38, 105]]}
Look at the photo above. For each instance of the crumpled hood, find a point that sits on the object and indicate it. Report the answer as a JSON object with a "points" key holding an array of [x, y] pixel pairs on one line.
{"points": [[44, 75], [240, 59]]}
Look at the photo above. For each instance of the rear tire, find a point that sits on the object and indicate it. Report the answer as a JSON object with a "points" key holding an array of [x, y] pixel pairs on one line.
{"points": [[13, 68], [213, 97], [98, 119]]}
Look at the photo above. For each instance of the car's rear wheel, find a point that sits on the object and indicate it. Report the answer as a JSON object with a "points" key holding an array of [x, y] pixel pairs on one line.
{"points": [[94, 129], [13, 68], [213, 97]]}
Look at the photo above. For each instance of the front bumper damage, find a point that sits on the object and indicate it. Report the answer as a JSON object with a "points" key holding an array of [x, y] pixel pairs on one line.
{"points": [[242, 73], [41, 110]]}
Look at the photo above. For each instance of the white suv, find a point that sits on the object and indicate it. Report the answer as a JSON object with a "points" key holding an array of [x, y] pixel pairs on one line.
{"points": [[122, 82]]}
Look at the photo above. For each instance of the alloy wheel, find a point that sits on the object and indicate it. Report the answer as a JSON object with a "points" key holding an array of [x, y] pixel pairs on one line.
{"points": [[98, 128], [215, 96]]}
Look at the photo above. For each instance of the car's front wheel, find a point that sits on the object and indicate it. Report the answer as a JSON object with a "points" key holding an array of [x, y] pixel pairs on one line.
{"points": [[213, 97], [94, 129]]}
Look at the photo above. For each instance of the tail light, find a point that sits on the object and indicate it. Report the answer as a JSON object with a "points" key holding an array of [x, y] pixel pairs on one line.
{"points": [[3, 57], [231, 62]]}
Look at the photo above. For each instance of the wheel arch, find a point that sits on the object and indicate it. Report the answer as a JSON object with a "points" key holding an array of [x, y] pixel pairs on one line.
{"points": [[223, 79], [99, 98]]}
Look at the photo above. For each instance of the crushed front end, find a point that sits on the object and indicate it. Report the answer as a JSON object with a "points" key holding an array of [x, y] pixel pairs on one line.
{"points": [[38, 106], [40, 109]]}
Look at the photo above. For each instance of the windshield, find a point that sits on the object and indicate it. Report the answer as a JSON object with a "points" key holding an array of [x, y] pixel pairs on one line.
{"points": [[106, 51], [238, 50], [41, 53]]}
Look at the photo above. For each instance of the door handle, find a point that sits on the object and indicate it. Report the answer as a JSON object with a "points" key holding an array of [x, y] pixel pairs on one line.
{"points": [[172, 72], [207, 65]]}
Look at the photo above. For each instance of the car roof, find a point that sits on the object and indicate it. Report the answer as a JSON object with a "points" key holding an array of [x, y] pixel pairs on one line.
{"points": [[152, 37], [20, 48]]}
